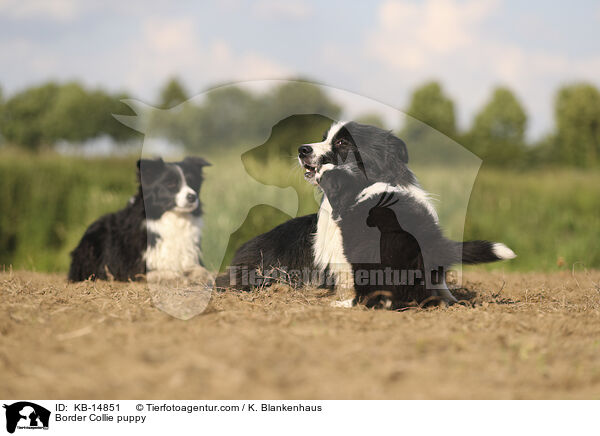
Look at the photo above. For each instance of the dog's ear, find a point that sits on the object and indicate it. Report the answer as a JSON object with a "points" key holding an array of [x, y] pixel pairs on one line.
{"points": [[149, 169], [196, 162], [400, 146]]}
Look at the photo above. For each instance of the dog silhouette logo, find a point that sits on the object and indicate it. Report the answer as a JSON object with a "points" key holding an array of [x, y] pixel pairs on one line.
{"points": [[26, 415]]}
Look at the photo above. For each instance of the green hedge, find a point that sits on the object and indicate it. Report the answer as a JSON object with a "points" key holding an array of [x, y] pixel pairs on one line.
{"points": [[47, 201]]}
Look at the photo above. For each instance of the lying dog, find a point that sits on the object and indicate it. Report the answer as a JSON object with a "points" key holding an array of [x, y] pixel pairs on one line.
{"points": [[156, 234], [376, 161]]}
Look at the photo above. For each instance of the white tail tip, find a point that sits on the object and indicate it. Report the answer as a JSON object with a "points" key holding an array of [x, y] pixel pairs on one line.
{"points": [[503, 252]]}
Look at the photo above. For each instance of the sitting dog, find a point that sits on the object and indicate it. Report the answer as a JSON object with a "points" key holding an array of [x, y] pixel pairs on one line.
{"points": [[157, 234], [377, 161], [391, 239]]}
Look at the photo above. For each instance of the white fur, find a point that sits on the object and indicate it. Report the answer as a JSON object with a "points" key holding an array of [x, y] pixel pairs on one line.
{"points": [[181, 202], [328, 248], [502, 251], [416, 192], [321, 170], [343, 303], [177, 246]]}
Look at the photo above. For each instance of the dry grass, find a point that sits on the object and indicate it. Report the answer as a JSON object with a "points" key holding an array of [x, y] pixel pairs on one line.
{"points": [[519, 336]]}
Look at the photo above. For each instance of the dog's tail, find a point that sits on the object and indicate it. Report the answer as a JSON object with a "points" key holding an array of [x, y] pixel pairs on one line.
{"points": [[485, 251]]}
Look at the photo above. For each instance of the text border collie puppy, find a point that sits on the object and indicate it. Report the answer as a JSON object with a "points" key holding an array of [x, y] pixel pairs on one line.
{"points": [[315, 241], [158, 231]]}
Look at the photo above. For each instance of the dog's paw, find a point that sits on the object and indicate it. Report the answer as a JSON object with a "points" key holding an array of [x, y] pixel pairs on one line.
{"points": [[447, 297], [199, 275], [162, 276], [343, 303]]}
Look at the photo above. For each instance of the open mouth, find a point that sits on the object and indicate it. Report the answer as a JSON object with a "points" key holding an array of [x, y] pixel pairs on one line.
{"points": [[309, 172]]}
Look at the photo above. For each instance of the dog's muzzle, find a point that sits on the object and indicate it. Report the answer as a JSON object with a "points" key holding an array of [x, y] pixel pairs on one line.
{"points": [[306, 159]]}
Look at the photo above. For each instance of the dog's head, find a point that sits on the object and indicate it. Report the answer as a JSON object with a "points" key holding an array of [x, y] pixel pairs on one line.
{"points": [[375, 152], [171, 186]]}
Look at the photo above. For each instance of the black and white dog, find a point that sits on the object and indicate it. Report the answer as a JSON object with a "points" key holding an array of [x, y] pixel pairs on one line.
{"points": [[370, 163], [158, 232]]}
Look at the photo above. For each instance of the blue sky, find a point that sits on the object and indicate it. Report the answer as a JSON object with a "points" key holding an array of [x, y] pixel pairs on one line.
{"points": [[378, 49]]}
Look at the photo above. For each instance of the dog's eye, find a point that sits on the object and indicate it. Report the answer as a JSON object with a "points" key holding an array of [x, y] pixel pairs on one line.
{"points": [[171, 184], [338, 142]]}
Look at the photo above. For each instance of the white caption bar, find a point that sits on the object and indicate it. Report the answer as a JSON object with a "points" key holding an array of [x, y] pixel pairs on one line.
{"points": [[146, 417]]}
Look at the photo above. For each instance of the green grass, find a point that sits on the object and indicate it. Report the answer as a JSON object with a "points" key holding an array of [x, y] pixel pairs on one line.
{"points": [[47, 201], [548, 217]]}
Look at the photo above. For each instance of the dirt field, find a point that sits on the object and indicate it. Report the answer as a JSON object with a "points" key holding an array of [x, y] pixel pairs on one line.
{"points": [[518, 336]]}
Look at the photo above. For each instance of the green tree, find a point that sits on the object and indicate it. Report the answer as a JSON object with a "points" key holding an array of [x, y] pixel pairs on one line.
{"points": [[1, 114], [74, 115], [225, 117], [78, 114], [42, 115], [372, 119], [430, 127], [172, 94], [118, 131], [498, 132], [431, 106], [22, 123], [577, 115], [298, 97], [231, 116]]}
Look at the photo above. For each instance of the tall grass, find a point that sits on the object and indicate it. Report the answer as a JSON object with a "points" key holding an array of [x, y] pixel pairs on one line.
{"points": [[47, 201], [551, 218]]}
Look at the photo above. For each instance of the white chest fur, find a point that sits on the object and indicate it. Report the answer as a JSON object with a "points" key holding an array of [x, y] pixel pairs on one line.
{"points": [[328, 247], [177, 245]]}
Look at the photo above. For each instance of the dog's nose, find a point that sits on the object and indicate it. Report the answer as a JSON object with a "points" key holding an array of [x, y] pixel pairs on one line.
{"points": [[191, 198], [304, 150]]}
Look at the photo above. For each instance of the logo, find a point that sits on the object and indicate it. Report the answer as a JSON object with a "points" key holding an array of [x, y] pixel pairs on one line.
{"points": [[26, 415]]}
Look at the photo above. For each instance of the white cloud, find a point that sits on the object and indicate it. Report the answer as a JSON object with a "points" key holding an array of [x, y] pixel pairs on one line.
{"points": [[290, 9], [410, 33], [165, 36], [409, 42], [173, 47], [59, 10], [140, 65], [448, 40]]}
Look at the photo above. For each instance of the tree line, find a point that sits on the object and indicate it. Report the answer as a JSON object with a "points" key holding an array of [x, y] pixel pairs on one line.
{"points": [[40, 116], [497, 132]]}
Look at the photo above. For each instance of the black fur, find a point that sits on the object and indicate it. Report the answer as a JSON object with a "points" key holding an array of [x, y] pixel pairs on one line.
{"points": [[285, 248], [114, 245], [377, 153], [478, 252]]}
